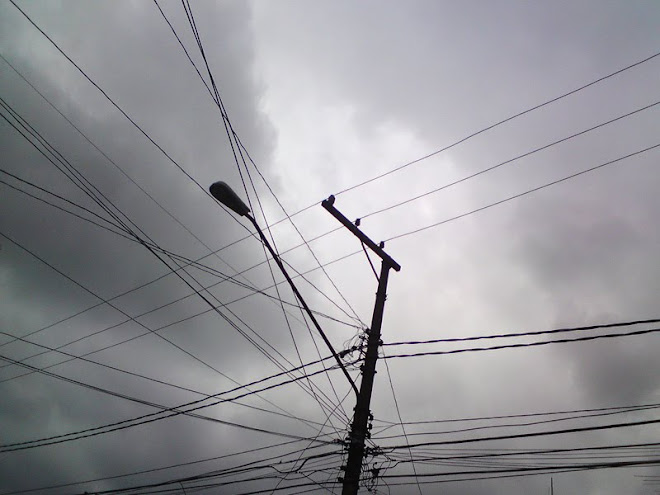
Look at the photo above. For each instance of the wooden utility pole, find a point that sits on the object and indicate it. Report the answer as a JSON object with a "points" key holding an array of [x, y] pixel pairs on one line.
{"points": [[359, 427]]}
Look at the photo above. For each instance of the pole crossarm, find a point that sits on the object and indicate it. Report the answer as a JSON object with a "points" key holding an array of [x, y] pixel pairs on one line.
{"points": [[328, 204]]}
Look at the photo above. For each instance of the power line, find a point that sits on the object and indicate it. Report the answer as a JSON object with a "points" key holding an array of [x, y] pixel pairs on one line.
{"points": [[241, 469], [529, 191], [112, 162], [510, 160], [62, 198], [74, 281], [176, 164], [518, 425], [128, 316], [127, 372], [527, 415], [139, 335], [156, 416], [519, 475], [540, 452], [531, 344], [608, 465], [398, 413], [481, 131], [123, 172], [241, 146], [497, 203], [89, 220], [163, 468], [500, 122], [10, 447], [523, 435], [82, 184], [215, 253], [525, 334], [63, 161], [234, 138], [84, 74], [187, 261]]}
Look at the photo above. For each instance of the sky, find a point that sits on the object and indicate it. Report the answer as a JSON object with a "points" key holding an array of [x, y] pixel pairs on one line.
{"points": [[128, 295]]}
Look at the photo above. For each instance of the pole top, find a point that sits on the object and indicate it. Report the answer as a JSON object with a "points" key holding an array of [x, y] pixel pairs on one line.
{"points": [[378, 249]]}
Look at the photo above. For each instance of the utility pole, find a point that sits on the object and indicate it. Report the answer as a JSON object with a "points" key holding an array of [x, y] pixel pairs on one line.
{"points": [[359, 427]]}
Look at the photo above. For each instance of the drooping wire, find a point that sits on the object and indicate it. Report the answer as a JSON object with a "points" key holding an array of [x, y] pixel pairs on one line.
{"points": [[181, 320], [48, 441], [153, 470], [83, 358], [523, 435], [81, 182], [234, 138]]}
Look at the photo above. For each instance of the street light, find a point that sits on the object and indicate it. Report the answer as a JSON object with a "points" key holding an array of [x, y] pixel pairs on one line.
{"points": [[224, 194], [359, 426]]}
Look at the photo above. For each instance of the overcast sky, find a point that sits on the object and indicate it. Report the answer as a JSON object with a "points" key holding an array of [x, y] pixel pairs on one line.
{"points": [[326, 96]]}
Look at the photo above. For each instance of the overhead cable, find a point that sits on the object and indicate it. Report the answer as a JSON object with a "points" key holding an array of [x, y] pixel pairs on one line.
{"points": [[526, 334], [525, 193]]}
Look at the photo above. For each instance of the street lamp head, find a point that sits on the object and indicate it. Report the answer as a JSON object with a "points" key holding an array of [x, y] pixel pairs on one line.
{"points": [[225, 194]]}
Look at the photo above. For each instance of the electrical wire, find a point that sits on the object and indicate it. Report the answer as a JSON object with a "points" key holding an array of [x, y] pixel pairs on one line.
{"points": [[234, 138], [523, 435], [528, 415], [164, 152], [152, 470], [403, 428], [182, 320], [130, 373], [481, 131], [503, 121], [64, 162], [525, 193], [156, 416], [149, 330], [530, 344], [109, 160], [511, 160], [185, 260], [162, 408], [517, 425], [526, 334], [518, 475], [532, 469]]}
